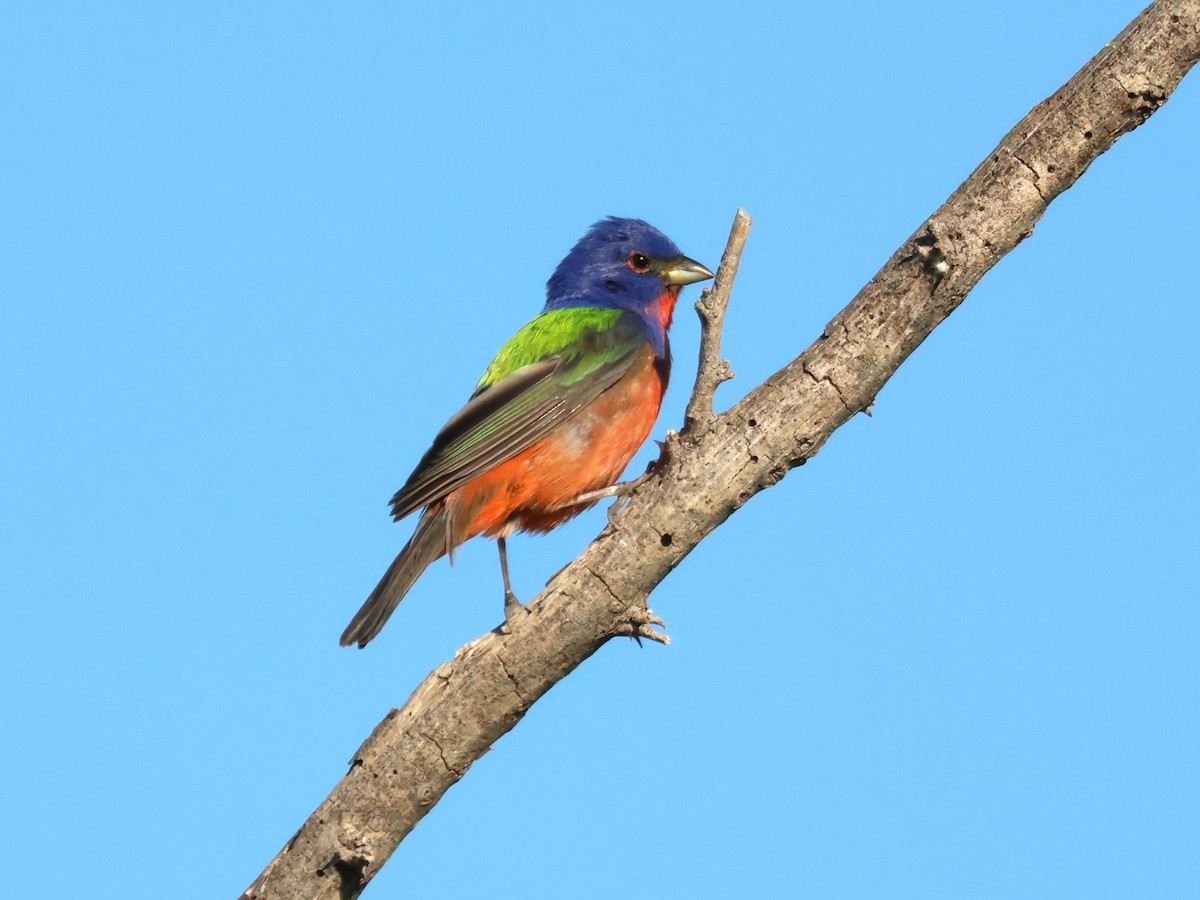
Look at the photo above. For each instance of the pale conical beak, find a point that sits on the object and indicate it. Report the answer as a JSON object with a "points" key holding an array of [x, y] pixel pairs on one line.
{"points": [[681, 270]]}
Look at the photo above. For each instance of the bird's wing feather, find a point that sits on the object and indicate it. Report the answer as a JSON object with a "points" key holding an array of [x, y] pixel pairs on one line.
{"points": [[519, 408]]}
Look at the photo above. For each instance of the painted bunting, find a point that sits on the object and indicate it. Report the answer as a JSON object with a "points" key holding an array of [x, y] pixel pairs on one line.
{"points": [[557, 415]]}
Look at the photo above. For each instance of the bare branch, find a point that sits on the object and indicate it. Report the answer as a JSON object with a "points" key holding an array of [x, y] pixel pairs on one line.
{"points": [[712, 369], [466, 704]]}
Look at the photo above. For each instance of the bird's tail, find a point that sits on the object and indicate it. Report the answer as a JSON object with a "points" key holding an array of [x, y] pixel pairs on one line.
{"points": [[428, 543]]}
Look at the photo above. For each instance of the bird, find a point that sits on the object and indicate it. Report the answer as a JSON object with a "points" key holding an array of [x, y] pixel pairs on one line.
{"points": [[556, 416]]}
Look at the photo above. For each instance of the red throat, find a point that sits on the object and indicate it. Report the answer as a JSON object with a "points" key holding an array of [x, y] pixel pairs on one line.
{"points": [[663, 307]]}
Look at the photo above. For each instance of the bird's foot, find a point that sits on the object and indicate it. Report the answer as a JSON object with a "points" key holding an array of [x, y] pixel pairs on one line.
{"points": [[622, 491], [512, 607], [659, 465], [638, 627]]}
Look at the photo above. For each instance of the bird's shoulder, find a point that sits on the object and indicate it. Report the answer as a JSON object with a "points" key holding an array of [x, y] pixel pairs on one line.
{"points": [[592, 336]]}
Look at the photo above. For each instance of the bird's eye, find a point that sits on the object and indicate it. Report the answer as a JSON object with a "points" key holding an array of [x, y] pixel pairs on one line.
{"points": [[639, 262]]}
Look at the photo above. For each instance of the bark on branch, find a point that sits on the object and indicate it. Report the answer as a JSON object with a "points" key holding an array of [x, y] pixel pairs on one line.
{"points": [[720, 461]]}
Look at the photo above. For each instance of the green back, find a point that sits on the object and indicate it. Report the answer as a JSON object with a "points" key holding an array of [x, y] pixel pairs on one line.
{"points": [[552, 334]]}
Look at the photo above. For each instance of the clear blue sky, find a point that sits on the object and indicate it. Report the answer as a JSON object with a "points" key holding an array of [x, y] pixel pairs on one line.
{"points": [[253, 255]]}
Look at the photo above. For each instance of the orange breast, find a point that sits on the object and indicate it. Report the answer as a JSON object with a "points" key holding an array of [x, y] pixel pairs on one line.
{"points": [[588, 452]]}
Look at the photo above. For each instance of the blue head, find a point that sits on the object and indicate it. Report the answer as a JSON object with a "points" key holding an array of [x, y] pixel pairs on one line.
{"points": [[623, 264]]}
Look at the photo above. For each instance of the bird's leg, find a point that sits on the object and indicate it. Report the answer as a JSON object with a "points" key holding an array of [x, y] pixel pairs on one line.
{"points": [[620, 489], [511, 603]]}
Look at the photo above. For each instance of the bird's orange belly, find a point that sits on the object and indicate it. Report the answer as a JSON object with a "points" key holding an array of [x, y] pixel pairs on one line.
{"points": [[533, 491]]}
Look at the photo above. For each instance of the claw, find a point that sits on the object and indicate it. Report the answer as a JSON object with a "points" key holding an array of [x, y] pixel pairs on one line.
{"points": [[638, 627], [512, 606], [664, 453]]}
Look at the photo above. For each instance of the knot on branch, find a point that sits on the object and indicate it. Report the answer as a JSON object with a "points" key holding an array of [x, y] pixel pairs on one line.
{"points": [[933, 259]]}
